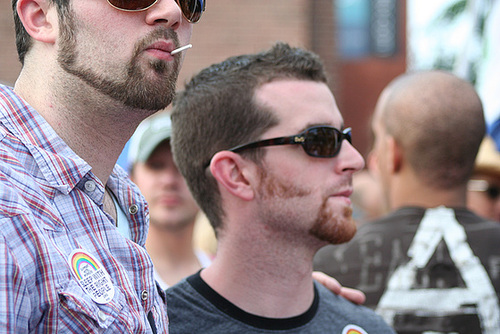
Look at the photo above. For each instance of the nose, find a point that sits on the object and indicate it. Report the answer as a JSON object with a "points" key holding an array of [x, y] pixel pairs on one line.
{"points": [[166, 12], [349, 159], [169, 176]]}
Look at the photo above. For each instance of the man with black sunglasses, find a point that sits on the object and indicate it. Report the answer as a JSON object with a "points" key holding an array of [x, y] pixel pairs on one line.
{"points": [[92, 71], [431, 265], [264, 150]]}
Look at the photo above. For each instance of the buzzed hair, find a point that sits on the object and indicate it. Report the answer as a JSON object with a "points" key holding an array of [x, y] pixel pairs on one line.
{"points": [[437, 119]]}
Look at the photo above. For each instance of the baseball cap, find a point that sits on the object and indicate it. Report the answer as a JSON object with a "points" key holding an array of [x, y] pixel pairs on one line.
{"points": [[148, 135]]}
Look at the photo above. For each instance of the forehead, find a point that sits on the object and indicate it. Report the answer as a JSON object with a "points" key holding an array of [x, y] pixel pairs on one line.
{"points": [[162, 150], [299, 104]]}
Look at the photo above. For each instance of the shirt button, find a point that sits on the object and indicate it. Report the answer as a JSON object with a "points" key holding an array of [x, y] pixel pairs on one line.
{"points": [[144, 295], [102, 316], [133, 209], [90, 186]]}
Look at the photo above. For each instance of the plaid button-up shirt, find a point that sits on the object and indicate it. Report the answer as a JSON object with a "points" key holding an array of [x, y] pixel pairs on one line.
{"points": [[51, 205]]}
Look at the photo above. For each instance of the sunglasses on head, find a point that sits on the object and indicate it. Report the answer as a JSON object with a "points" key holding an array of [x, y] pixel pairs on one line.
{"points": [[317, 141], [191, 9]]}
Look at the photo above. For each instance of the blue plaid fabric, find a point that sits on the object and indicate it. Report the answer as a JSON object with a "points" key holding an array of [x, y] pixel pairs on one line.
{"points": [[50, 205]]}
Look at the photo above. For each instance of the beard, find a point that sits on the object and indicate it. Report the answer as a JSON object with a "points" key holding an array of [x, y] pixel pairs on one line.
{"points": [[334, 228], [139, 89], [327, 225]]}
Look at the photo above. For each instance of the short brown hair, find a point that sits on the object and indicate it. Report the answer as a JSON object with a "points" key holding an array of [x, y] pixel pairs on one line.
{"points": [[217, 111], [23, 39]]}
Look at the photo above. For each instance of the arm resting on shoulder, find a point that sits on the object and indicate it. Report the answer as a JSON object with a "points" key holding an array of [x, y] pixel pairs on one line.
{"points": [[353, 295]]}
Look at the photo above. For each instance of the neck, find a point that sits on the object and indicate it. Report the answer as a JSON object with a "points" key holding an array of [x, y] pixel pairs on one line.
{"points": [[412, 192], [262, 274], [94, 126], [172, 253]]}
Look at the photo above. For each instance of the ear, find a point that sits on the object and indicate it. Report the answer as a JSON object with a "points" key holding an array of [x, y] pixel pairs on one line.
{"points": [[39, 19], [396, 155], [232, 171]]}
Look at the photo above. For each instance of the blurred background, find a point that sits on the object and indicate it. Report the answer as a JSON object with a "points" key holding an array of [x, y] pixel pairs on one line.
{"points": [[364, 44]]}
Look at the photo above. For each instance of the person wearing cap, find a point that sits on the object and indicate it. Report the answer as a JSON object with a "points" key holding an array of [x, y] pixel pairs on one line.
{"points": [[483, 189], [172, 210]]}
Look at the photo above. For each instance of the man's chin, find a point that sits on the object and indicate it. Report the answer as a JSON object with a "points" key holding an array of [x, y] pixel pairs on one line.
{"points": [[337, 230]]}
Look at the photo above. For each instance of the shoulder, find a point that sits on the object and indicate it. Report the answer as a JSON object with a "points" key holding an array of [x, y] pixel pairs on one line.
{"points": [[190, 312], [407, 214], [183, 297], [338, 310], [474, 222], [179, 289]]}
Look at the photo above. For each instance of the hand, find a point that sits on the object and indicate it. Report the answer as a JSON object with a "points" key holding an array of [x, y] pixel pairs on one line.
{"points": [[353, 295]]}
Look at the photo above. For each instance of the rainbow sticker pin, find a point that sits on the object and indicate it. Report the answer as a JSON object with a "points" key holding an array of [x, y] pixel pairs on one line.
{"points": [[83, 264], [91, 276], [353, 329]]}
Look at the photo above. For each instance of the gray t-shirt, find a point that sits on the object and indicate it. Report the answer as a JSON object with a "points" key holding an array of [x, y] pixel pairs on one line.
{"points": [[424, 270], [194, 307]]}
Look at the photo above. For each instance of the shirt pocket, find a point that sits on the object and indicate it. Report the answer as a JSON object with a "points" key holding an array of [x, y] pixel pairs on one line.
{"points": [[79, 311]]}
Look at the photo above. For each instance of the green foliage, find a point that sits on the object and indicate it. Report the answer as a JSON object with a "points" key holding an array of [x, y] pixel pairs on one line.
{"points": [[453, 11]]}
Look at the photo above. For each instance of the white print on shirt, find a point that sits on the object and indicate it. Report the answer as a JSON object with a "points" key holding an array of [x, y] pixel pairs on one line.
{"points": [[440, 224], [91, 276]]}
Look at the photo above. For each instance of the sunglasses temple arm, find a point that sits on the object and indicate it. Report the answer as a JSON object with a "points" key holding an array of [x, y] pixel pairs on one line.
{"points": [[266, 142]]}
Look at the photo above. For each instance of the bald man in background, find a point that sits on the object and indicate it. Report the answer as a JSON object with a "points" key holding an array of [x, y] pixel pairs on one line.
{"points": [[430, 265]]}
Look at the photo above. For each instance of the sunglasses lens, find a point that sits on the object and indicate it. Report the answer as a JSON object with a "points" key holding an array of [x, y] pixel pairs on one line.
{"points": [[132, 4], [493, 192], [192, 9], [322, 142]]}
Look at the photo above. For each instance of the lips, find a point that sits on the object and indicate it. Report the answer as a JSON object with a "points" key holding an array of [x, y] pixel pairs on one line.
{"points": [[161, 49], [345, 193], [169, 200], [343, 196]]}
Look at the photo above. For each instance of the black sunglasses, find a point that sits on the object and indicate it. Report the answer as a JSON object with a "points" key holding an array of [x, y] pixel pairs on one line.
{"points": [[191, 9], [317, 141]]}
